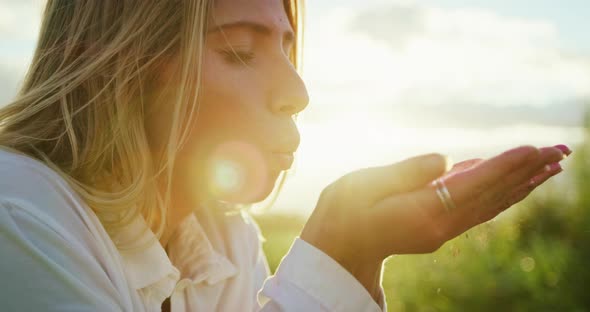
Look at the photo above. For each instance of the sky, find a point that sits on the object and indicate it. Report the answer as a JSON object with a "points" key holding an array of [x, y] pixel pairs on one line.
{"points": [[467, 78], [569, 16], [391, 79], [414, 53]]}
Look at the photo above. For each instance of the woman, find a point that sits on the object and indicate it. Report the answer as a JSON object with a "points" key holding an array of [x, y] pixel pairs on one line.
{"points": [[114, 193]]}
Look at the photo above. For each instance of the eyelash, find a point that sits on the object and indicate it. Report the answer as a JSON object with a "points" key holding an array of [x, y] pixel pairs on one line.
{"points": [[237, 57]]}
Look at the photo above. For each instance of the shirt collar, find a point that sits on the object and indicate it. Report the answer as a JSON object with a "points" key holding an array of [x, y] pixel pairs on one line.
{"points": [[191, 256], [192, 253]]}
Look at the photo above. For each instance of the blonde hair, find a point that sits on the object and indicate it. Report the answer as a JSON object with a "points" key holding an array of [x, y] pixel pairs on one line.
{"points": [[81, 108]]}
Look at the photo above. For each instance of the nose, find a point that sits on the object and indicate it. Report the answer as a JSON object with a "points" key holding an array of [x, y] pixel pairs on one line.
{"points": [[288, 95]]}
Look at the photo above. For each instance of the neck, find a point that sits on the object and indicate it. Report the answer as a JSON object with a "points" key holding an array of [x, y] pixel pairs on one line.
{"points": [[182, 204]]}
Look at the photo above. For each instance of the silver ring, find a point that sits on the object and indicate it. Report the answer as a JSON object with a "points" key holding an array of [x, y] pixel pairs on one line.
{"points": [[444, 195]]}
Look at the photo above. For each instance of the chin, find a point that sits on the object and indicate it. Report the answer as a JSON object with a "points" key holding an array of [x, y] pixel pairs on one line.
{"points": [[252, 190]]}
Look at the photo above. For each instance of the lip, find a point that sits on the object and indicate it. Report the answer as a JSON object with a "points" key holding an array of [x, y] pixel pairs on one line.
{"points": [[284, 160]]}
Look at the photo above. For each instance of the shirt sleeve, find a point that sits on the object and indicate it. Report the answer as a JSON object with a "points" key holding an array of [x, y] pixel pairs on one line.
{"points": [[42, 270], [309, 280]]}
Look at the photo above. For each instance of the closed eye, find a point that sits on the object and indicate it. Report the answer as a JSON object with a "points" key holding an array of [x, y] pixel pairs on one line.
{"points": [[237, 57]]}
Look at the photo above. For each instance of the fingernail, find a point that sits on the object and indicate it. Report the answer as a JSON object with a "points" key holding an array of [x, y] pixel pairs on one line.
{"points": [[449, 163], [553, 167], [562, 147], [435, 162]]}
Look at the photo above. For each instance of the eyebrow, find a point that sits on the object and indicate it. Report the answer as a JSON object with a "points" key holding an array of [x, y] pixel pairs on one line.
{"points": [[252, 26]]}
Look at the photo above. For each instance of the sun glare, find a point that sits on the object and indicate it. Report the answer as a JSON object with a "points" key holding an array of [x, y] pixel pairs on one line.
{"points": [[228, 176], [237, 172]]}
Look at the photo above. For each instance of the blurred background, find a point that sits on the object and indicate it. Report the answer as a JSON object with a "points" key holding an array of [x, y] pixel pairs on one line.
{"points": [[466, 78]]}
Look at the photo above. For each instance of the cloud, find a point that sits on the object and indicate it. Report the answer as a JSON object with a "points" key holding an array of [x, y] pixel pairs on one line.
{"points": [[8, 84], [449, 61], [459, 66], [468, 115], [19, 27], [20, 20], [396, 24]]}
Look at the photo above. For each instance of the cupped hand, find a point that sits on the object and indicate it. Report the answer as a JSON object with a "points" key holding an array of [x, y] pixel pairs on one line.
{"points": [[372, 213]]}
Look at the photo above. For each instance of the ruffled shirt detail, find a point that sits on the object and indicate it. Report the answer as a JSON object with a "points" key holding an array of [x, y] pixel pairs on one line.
{"points": [[190, 256], [163, 275], [194, 256]]}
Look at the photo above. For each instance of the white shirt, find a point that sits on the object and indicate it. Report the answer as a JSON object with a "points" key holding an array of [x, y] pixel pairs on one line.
{"points": [[55, 255]]}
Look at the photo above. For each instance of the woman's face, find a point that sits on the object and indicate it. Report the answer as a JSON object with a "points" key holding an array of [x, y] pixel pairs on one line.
{"points": [[244, 133]]}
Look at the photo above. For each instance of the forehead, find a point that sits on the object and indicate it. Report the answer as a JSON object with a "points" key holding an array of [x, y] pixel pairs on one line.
{"points": [[268, 12]]}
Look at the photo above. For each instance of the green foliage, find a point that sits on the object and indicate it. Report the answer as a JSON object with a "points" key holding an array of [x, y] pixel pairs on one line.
{"points": [[536, 257], [279, 232]]}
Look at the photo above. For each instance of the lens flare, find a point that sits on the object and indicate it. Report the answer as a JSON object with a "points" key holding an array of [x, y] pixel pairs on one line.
{"points": [[228, 176], [239, 172]]}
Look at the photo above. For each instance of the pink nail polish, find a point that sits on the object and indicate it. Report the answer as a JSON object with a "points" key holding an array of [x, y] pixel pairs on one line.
{"points": [[555, 167], [562, 147]]}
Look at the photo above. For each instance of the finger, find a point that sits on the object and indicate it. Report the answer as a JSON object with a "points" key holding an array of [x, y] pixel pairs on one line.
{"points": [[464, 165], [460, 223], [526, 188], [485, 187], [515, 187], [466, 192], [420, 210], [426, 203], [502, 165], [405, 176], [423, 202], [548, 156], [468, 186], [564, 148], [541, 177]]}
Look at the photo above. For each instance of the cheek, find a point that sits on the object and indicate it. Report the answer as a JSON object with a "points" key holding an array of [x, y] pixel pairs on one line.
{"points": [[230, 99], [226, 114], [226, 145], [233, 168]]}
